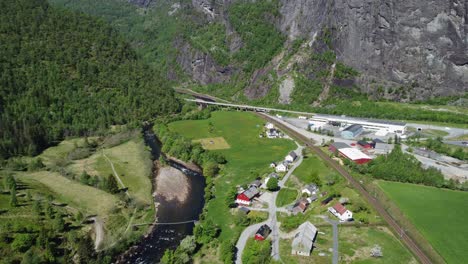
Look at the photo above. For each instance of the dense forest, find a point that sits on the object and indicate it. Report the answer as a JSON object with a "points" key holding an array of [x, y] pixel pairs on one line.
{"points": [[63, 74]]}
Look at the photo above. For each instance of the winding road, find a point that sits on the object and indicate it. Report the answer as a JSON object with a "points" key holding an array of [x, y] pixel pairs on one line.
{"points": [[272, 221]]}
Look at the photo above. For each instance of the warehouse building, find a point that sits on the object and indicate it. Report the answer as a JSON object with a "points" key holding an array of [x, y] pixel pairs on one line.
{"points": [[382, 127], [354, 155], [352, 131]]}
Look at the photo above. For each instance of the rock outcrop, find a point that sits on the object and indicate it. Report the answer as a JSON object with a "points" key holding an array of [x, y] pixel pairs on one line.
{"points": [[422, 45]]}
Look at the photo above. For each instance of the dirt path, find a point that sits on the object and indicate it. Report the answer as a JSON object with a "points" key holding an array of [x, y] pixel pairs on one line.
{"points": [[99, 232], [115, 173]]}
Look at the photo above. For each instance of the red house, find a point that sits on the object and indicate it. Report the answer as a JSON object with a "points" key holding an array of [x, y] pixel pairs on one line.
{"points": [[262, 233], [355, 155], [245, 197], [364, 144]]}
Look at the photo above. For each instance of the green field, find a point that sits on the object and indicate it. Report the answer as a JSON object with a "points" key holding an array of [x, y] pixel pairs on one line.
{"points": [[356, 244], [86, 198], [312, 166], [248, 157], [286, 196], [439, 214]]}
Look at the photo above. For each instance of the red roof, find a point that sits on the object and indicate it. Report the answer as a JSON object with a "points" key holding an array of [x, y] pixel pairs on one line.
{"points": [[339, 208]]}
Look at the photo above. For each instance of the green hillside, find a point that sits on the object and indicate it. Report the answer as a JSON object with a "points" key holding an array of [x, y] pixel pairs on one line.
{"points": [[63, 73]]}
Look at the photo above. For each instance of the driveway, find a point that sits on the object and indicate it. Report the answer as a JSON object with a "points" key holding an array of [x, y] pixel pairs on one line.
{"points": [[335, 238]]}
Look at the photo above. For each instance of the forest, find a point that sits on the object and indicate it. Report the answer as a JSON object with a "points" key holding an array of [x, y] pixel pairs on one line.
{"points": [[67, 74]]}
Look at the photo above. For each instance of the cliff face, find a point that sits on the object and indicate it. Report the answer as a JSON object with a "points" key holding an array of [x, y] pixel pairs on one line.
{"points": [[421, 44]]}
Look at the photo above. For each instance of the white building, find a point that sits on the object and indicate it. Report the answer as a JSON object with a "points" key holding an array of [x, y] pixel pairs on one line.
{"points": [[383, 126], [269, 126], [310, 189], [291, 157], [282, 167], [341, 212]]}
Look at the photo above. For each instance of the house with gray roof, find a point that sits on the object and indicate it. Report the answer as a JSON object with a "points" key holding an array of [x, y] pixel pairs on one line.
{"points": [[304, 239]]}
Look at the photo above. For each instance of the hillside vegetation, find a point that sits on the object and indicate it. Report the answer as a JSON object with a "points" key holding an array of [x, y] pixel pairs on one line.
{"points": [[63, 73]]}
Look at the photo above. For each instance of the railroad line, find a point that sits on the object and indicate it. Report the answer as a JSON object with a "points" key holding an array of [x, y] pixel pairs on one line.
{"points": [[408, 241]]}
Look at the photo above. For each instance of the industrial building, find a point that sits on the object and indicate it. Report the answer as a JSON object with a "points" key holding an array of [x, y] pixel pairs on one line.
{"points": [[352, 131], [354, 155], [382, 127]]}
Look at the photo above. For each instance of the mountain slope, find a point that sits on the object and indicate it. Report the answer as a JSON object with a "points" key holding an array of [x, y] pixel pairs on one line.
{"points": [[65, 74], [254, 49]]}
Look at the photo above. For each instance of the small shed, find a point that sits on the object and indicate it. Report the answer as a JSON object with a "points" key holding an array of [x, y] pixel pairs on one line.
{"points": [[262, 232]]}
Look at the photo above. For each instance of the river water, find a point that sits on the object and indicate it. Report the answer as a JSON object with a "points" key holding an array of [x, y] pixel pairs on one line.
{"points": [[151, 248]]}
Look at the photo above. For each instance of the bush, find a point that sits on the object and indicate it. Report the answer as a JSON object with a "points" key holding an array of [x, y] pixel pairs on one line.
{"points": [[22, 242], [272, 184]]}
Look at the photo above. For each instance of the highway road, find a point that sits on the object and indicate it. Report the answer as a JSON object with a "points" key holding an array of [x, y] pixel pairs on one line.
{"points": [[408, 241]]}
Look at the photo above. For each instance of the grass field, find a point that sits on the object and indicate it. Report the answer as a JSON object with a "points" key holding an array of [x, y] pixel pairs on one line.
{"points": [[310, 167], [213, 143], [286, 196], [356, 244], [86, 198], [438, 214], [248, 157]]}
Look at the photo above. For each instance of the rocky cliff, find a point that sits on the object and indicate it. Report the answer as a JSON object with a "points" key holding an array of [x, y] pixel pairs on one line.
{"points": [[404, 50], [420, 45]]}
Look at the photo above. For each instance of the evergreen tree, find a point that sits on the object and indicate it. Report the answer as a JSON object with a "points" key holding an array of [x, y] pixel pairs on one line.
{"points": [[13, 198], [112, 186]]}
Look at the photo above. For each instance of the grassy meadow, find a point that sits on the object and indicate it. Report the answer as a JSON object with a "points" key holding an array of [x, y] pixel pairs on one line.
{"points": [[248, 157], [356, 244], [439, 215], [59, 183]]}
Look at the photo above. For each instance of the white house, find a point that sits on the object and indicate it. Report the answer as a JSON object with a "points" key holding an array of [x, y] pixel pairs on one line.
{"points": [[272, 133], [269, 126], [273, 165], [310, 189], [282, 167], [341, 212], [292, 156]]}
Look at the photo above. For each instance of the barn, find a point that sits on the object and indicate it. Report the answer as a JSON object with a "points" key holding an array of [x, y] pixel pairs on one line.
{"points": [[354, 155]]}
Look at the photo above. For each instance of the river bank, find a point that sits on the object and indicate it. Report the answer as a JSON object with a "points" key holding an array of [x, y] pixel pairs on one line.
{"points": [[178, 191]]}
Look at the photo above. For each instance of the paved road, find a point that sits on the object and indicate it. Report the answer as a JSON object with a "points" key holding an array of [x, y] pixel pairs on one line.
{"points": [[452, 131], [448, 170], [409, 242], [270, 199], [459, 143], [335, 238]]}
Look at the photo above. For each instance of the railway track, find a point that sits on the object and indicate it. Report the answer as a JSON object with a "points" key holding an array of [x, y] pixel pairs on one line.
{"points": [[408, 241]]}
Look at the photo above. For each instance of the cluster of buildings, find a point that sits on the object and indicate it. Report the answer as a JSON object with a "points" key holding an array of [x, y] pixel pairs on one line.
{"points": [[246, 197], [352, 127], [271, 131], [361, 151], [284, 165], [303, 241]]}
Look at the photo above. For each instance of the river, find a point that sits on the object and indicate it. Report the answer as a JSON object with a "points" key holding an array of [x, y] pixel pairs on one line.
{"points": [[151, 248]]}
